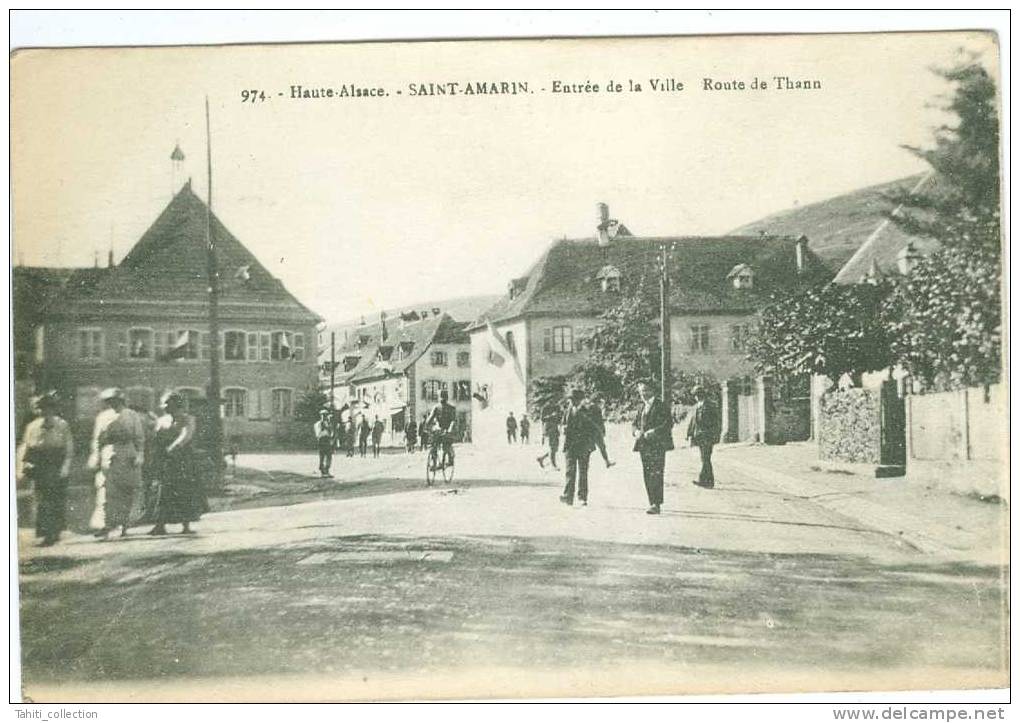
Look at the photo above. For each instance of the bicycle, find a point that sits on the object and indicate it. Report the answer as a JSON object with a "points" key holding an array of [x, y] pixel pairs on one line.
{"points": [[434, 465]]}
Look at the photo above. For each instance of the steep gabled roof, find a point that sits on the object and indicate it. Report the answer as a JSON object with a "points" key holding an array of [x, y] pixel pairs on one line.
{"points": [[169, 262], [421, 334], [564, 279]]}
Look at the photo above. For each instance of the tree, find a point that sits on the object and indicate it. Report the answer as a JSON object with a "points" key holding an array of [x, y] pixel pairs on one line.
{"points": [[947, 315], [831, 330], [308, 406]]}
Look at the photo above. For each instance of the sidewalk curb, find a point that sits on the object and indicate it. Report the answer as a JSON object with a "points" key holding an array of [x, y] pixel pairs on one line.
{"points": [[868, 514]]}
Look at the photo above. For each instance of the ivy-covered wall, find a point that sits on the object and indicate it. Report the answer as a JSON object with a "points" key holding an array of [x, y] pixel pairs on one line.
{"points": [[849, 425]]}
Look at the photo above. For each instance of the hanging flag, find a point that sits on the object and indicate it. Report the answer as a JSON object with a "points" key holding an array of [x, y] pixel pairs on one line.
{"points": [[181, 347]]}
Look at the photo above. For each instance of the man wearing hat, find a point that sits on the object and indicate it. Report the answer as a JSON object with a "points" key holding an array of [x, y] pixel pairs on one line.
{"points": [[324, 439], [44, 460], [118, 449], [653, 438], [704, 431], [579, 434]]}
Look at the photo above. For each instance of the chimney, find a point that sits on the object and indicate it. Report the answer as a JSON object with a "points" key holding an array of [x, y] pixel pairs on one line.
{"points": [[907, 259], [602, 234], [801, 249], [109, 259]]}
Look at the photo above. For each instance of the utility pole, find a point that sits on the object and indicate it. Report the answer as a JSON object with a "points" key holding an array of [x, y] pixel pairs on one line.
{"points": [[332, 369], [213, 395], [666, 388]]}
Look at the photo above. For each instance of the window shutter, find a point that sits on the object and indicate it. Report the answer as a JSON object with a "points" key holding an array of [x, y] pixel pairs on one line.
{"points": [[547, 340], [299, 347], [204, 345], [253, 346], [122, 344]]}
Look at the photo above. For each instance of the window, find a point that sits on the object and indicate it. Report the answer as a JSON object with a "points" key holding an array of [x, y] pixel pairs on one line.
{"points": [[511, 345], [140, 343], [385, 353], [283, 402], [430, 389], [282, 346], [463, 359], [234, 346], [298, 352], [350, 362], [462, 391], [700, 341], [185, 345], [746, 386], [234, 403], [562, 340], [264, 346], [738, 336], [90, 344], [439, 359], [205, 344]]}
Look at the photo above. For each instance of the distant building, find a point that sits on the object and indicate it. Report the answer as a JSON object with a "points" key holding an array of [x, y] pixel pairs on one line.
{"points": [[718, 286], [142, 325], [396, 369]]}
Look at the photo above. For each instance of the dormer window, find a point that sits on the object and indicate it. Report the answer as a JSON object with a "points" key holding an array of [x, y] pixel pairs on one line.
{"points": [[406, 347], [517, 286], [350, 362], [742, 277], [608, 278], [385, 352], [363, 340]]}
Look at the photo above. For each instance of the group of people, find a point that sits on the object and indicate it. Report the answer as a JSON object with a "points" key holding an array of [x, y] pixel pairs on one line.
{"points": [[353, 433], [513, 426], [581, 425], [143, 465]]}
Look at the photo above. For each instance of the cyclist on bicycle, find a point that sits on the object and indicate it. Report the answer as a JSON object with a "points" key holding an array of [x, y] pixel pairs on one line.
{"points": [[440, 425]]}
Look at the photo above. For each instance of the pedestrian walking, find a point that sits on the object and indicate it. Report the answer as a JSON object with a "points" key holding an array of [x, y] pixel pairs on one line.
{"points": [[44, 462], [703, 431], [595, 407], [364, 432], [552, 415], [180, 492], [423, 432], [579, 432], [118, 448], [410, 435], [511, 429], [653, 438], [323, 430], [377, 432], [525, 428], [350, 436]]}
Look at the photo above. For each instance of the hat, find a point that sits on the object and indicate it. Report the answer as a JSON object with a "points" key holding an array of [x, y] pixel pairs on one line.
{"points": [[45, 400], [171, 398], [111, 393], [324, 412]]}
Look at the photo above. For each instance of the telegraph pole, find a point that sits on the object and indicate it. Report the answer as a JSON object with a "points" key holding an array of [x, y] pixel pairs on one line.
{"points": [[213, 395], [666, 388], [332, 369]]}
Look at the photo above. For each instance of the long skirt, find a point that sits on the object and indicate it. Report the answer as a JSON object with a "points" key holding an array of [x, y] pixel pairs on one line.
{"points": [[119, 482], [50, 492], [179, 492]]}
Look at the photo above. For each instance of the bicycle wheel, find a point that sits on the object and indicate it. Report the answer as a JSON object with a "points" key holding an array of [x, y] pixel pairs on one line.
{"points": [[430, 467], [447, 467]]}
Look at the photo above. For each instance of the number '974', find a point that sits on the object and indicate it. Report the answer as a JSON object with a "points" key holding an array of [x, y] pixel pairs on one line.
{"points": [[253, 96]]}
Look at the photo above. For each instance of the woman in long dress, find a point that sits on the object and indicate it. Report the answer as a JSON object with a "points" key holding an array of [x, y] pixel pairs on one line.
{"points": [[179, 497], [118, 451], [44, 460]]}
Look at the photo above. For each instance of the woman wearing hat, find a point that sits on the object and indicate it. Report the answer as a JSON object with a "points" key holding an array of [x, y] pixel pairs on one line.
{"points": [[44, 460], [118, 450], [179, 497]]}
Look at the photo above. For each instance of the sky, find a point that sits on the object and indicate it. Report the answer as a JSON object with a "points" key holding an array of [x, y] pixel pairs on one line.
{"points": [[359, 204]]}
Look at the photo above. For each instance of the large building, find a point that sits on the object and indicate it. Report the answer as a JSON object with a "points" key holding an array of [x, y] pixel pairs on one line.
{"points": [[396, 369], [718, 284], [143, 325]]}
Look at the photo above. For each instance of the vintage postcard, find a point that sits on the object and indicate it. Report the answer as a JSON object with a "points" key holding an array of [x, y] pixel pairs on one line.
{"points": [[510, 369]]}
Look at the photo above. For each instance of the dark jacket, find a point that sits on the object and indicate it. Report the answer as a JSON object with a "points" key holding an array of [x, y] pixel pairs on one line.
{"points": [[579, 430], [705, 425], [655, 428]]}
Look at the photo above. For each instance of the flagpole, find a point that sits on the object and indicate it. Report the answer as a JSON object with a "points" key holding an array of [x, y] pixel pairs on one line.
{"points": [[215, 421]]}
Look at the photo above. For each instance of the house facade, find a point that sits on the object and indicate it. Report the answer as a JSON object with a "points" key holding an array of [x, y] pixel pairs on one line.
{"points": [[396, 369], [718, 285], [142, 325]]}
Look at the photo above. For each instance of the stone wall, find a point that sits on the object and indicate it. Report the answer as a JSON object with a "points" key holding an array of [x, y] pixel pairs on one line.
{"points": [[849, 425]]}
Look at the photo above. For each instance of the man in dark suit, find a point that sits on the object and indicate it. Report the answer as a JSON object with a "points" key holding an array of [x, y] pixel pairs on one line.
{"points": [[703, 432], [654, 437], [579, 432]]}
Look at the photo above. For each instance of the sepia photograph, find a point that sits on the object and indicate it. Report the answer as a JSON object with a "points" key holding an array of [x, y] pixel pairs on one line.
{"points": [[518, 369]]}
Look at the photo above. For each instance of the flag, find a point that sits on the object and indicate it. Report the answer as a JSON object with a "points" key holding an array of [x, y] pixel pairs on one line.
{"points": [[181, 347]]}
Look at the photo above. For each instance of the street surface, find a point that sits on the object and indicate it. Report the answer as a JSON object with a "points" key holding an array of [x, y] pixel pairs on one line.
{"points": [[781, 578]]}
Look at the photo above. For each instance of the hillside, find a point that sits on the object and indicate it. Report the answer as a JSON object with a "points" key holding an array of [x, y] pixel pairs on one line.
{"points": [[838, 226], [461, 308]]}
